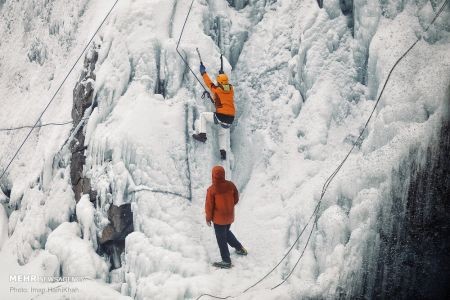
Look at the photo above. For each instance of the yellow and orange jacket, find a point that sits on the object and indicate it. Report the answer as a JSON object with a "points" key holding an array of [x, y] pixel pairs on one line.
{"points": [[223, 96], [221, 198]]}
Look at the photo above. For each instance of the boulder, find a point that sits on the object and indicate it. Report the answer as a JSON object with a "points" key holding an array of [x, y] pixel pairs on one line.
{"points": [[112, 241], [121, 223]]}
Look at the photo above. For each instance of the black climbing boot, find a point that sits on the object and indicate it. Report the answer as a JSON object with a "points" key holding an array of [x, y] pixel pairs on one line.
{"points": [[223, 154], [222, 264], [241, 251], [201, 137]]}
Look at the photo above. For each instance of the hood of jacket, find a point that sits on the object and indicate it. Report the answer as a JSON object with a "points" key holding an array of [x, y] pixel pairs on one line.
{"points": [[218, 174]]}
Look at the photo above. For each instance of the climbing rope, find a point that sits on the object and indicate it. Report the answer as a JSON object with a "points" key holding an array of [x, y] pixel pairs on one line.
{"points": [[204, 94], [57, 91], [205, 91], [358, 141], [38, 126], [330, 179], [148, 189]]}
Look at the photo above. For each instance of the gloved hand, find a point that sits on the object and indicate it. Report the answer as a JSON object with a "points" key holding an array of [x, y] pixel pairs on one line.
{"points": [[202, 69]]}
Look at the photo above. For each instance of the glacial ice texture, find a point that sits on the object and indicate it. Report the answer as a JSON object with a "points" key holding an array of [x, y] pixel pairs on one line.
{"points": [[306, 79]]}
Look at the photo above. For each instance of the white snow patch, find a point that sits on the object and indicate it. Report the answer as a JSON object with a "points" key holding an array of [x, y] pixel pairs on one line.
{"points": [[76, 256]]}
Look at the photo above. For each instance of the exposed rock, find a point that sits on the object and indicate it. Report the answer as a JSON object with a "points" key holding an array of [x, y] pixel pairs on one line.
{"points": [[83, 185], [414, 255], [114, 250], [82, 99], [84, 89], [112, 241], [121, 218]]}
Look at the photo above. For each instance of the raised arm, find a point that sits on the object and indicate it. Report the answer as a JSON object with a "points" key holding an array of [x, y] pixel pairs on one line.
{"points": [[209, 84]]}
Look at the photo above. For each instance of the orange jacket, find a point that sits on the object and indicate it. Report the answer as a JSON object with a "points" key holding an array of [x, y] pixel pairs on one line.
{"points": [[221, 198], [223, 100]]}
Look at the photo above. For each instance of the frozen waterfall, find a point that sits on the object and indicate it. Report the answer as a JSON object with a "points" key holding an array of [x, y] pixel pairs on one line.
{"points": [[306, 75]]}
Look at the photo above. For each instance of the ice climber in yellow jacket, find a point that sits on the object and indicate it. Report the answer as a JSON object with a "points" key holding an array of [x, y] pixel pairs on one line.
{"points": [[223, 98]]}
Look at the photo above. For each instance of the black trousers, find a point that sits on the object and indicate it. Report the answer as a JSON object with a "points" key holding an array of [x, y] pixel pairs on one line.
{"points": [[224, 237]]}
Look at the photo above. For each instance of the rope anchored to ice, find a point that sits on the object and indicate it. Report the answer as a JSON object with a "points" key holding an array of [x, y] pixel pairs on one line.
{"points": [[42, 125], [143, 188]]}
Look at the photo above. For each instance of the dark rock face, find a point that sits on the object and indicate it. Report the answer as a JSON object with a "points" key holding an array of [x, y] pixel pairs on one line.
{"points": [[121, 218], [112, 241], [84, 89], [82, 100], [413, 261]]}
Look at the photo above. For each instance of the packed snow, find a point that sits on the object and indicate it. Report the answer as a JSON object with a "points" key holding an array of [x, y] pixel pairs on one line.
{"points": [[306, 80]]}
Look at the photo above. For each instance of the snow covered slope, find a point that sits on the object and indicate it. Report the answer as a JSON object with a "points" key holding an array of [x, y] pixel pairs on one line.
{"points": [[306, 79]]}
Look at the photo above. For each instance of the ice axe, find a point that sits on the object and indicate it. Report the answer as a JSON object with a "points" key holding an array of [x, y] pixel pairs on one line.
{"points": [[205, 93], [221, 64], [199, 56], [221, 60]]}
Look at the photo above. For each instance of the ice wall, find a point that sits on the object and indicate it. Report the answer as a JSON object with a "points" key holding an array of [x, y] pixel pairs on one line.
{"points": [[306, 79], [33, 49], [305, 98], [139, 149], [413, 260], [40, 40]]}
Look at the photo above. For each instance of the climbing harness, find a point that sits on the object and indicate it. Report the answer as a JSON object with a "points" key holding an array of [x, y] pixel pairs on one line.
{"points": [[57, 91], [222, 124], [205, 94], [328, 181]]}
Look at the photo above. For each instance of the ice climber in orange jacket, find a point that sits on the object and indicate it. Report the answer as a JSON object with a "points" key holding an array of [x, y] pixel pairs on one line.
{"points": [[223, 98], [221, 198]]}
